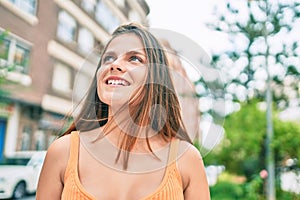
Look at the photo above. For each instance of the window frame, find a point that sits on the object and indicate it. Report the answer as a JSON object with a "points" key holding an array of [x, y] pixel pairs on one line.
{"points": [[13, 44], [64, 26], [57, 87], [20, 12], [85, 48], [105, 17], [85, 3], [21, 5]]}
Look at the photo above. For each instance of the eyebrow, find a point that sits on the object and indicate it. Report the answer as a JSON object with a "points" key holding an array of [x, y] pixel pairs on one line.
{"points": [[129, 52], [136, 52]]}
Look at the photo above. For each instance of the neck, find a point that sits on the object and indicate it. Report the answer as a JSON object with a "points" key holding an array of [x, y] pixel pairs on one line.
{"points": [[116, 132]]}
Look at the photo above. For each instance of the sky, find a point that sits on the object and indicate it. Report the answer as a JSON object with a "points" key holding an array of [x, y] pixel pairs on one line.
{"points": [[187, 17]]}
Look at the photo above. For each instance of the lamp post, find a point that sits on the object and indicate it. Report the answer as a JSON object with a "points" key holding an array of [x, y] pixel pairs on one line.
{"points": [[271, 192]]}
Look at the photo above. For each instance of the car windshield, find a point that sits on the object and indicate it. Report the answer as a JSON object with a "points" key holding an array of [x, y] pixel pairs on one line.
{"points": [[14, 161]]}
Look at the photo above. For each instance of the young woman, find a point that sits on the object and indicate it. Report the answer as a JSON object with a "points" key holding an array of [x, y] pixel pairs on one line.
{"points": [[128, 142]]}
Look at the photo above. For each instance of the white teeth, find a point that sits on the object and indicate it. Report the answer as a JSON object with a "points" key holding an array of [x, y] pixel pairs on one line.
{"points": [[117, 82]]}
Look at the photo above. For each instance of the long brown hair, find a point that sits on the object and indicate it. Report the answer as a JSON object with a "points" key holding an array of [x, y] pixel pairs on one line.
{"points": [[158, 104]]}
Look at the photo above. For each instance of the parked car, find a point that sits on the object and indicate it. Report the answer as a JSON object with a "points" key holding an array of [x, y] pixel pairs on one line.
{"points": [[17, 180]]}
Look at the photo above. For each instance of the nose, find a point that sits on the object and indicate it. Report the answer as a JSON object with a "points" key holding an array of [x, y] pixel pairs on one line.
{"points": [[117, 66]]}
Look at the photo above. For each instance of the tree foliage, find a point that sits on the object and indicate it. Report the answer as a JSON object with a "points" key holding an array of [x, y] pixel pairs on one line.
{"points": [[242, 149], [244, 137], [262, 33]]}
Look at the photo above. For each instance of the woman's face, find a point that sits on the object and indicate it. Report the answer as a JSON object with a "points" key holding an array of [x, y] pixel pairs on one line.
{"points": [[123, 69]]}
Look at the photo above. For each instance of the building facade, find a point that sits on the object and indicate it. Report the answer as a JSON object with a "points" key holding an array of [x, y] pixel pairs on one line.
{"points": [[46, 48]]}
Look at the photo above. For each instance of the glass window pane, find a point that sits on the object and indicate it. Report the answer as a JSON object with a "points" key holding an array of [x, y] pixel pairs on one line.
{"points": [[88, 5], [85, 40], [105, 17], [4, 48], [134, 16], [21, 59], [28, 6], [120, 3], [62, 78], [40, 140], [14, 55], [83, 82], [26, 136], [66, 27]]}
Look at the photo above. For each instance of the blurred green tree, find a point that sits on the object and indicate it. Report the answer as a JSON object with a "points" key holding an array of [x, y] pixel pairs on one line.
{"points": [[245, 24], [242, 149], [263, 60]]}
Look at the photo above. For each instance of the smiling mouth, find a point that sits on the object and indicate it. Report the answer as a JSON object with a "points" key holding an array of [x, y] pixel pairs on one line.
{"points": [[117, 82]]}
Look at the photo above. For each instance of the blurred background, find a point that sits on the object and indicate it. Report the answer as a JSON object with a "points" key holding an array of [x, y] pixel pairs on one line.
{"points": [[245, 121]]}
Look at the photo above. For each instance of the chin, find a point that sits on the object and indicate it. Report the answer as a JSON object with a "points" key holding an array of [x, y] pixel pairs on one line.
{"points": [[120, 96], [115, 100]]}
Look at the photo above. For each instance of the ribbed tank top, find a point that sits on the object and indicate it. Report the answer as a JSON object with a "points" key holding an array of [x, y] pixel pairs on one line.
{"points": [[169, 189]]}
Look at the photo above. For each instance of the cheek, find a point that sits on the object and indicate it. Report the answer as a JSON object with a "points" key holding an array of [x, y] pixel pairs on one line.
{"points": [[99, 72], [140, 75], [137, 92], [99, 77]]}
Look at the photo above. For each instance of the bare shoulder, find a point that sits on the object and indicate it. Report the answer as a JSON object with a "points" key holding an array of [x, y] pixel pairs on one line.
{"points": [[192, 171], [51, 179], [60, 147], [58, 153], [188, 153], [189, 161]]}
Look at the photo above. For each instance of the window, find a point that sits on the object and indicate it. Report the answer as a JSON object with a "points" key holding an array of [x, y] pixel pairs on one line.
{"points": [[85, 40], [88, 5], [62, 78], [4, 49], [120, 3], [134, 16], [29, 6], [26, 138], [15, 54], [66, 29], [105, 17], [40, 140], [81, 86], [21, 58]]}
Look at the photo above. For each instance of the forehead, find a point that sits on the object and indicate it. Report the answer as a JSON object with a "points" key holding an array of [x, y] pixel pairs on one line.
{"points": [[124, 43]]}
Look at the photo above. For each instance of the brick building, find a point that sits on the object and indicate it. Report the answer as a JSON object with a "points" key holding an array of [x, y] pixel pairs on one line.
{"points": [[47, 42]]}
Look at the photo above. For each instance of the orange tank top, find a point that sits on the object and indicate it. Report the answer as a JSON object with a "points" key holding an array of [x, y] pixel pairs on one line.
{"points": [[169, 189]]}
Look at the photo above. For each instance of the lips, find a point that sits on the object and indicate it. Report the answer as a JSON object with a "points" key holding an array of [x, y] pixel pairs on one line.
{"points": [[116, 81]]}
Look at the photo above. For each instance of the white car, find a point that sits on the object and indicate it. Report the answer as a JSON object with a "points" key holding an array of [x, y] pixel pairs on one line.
{"points": [[18, 180]]}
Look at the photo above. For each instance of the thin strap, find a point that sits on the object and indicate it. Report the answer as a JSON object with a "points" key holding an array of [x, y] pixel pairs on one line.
{"points": [[74, 148], [73, 155], [173, 151]]}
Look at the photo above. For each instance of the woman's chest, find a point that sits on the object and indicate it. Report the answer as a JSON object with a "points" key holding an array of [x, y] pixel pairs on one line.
{"points": [[105, 183]]}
